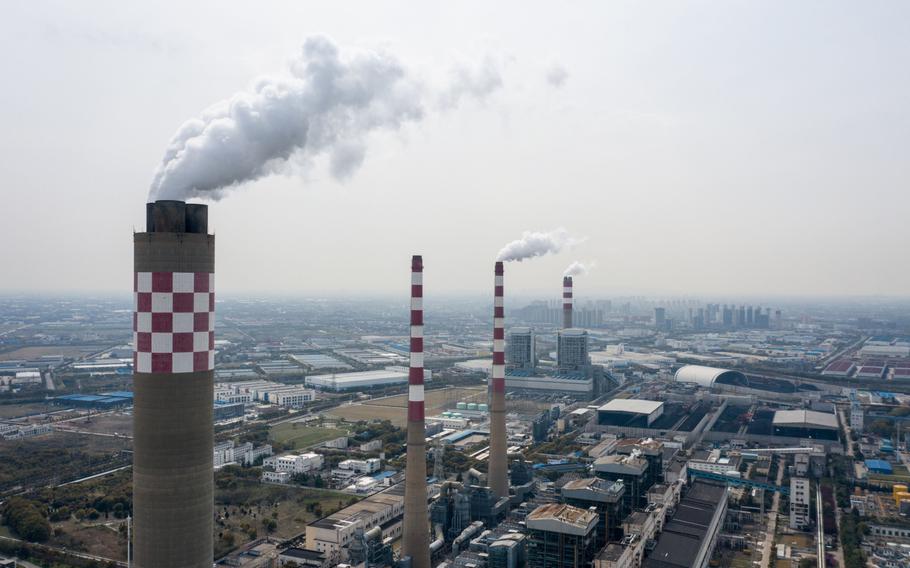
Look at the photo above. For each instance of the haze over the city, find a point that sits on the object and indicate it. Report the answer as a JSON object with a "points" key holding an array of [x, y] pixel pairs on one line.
{"points": [[689, 148]]}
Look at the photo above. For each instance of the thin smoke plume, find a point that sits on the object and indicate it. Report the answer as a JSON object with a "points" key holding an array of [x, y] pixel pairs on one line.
{"points": [[326, 105], [534, 243], [579, 268]]}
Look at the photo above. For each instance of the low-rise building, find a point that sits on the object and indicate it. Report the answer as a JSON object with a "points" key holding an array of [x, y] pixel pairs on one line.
{"points": [[294, 464]]}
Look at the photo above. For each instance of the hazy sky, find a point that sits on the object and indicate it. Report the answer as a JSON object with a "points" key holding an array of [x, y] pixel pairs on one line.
{"points": [[701, 147]]}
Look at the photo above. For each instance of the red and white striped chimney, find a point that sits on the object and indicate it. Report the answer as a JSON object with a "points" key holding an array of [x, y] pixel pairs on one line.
{"points": [[499, 470], [567, 302], [415, 532]]}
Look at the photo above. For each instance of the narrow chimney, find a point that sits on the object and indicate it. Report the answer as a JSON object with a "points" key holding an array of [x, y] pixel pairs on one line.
{"points": [[415, 533], [499, 470], [567, 302]]}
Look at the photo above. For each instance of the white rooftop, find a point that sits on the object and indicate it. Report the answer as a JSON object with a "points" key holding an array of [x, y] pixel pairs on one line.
{"points": [[632, 405], [805, 418]]}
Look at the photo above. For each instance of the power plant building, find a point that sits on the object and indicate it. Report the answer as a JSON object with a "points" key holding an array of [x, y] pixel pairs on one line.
{"points": [[393, 375], [630, 412], [561, 535], [174, 360], [521, 351], [805, 424], [572, 350]]}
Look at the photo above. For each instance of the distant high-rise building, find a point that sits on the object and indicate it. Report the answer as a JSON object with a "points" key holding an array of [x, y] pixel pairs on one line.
{"points": [[521, 351], [572, 350], [750, 316], [660, 318], [727, 315]]}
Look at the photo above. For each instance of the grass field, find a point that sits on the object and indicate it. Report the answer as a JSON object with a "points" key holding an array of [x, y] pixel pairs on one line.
{"points": [[393, 408], [303, 436], [35, 352], [17, 410]]}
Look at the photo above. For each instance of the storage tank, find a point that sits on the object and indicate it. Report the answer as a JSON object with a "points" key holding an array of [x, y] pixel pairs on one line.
{"points": [[472, 406], [462, 406]]}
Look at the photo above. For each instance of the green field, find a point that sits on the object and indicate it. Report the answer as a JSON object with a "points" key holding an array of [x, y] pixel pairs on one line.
{"points": [[301, 436]]}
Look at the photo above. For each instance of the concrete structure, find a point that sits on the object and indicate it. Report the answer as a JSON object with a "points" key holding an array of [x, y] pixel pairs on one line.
{"points": [[572, 350], [498, 466], [573, 384], [521, 351], [567, 302], [416, 539], [800, 500], [561, 536], [174, 359]]}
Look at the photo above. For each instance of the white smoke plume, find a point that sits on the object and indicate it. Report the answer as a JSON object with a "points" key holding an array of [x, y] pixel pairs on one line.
{"points": [[326, 105], [534, 243], [557, 75], [579, 268]]}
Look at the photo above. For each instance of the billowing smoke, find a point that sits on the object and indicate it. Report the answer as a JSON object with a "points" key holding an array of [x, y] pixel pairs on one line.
{"points": [[533, 244], [326, 105], [557, 75], [579, 268]]}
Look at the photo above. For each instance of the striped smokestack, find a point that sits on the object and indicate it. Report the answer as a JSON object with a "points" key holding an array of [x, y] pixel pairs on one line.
{"points": [[567, 302], [173, 374], [415, 533], [499, 470]]}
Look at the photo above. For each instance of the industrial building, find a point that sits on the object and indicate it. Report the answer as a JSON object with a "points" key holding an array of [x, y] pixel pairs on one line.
{"points": [[101, 401], [632, 471], [688, 539], [574, 384], [604, 497], [393, 375], [521, 350], [572, 350], [561, 535], [331, 535], [805, 424], [630, 412], [710, 376]]}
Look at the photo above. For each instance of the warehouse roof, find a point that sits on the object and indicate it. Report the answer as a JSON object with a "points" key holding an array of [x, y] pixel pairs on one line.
{"points": [[631, 405], [805, 419]]}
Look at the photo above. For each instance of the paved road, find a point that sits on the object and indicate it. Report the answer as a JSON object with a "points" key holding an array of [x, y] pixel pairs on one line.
{"points": [[772, 520]]}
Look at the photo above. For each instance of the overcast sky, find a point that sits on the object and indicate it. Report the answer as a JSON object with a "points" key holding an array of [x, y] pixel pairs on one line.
{"points": [[727, 148]]}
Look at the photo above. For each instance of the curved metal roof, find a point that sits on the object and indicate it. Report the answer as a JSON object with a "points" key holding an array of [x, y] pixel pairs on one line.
{"points": [[701, 375]]}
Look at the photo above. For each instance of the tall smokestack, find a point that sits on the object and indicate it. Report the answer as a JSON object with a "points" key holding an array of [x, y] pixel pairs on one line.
{"points": [[173, 362], [416, 536], [567, 302], [499, 470]]}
